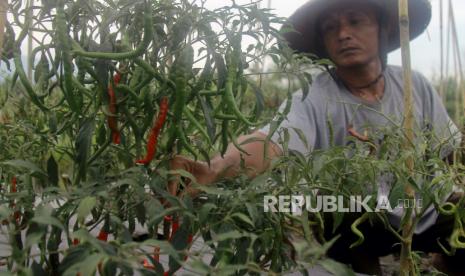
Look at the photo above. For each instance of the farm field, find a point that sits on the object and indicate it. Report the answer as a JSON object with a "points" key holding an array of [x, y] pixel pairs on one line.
{"points": [[109, 93]]}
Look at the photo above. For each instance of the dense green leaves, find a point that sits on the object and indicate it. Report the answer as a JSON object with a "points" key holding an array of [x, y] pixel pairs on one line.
{"points": [[225, 71], [83, 145]]}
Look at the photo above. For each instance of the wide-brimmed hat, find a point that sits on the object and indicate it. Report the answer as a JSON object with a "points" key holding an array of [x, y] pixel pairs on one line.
{"points": [[305, 37]]}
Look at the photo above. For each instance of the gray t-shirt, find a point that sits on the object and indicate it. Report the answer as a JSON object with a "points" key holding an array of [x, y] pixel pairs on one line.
{"points": [[330, 100]]}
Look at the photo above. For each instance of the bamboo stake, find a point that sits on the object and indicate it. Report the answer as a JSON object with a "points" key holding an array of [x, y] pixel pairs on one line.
{"points": [[29, 41], [455, 66], [456, 41], [406, 261], [456, 82], [441, 50], [458, 63], [446, 75], [3, 10], [457, 87]]}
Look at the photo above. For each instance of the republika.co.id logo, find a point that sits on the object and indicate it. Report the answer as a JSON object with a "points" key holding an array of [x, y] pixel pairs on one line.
{"points": [[329, 203]]}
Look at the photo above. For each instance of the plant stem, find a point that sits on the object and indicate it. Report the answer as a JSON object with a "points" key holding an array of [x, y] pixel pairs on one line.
{"points": [[442, 92], [406, 261], [3, 10]]}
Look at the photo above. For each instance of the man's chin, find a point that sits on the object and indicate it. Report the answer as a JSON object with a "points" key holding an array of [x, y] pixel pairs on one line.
{"points": [[351, 64]]}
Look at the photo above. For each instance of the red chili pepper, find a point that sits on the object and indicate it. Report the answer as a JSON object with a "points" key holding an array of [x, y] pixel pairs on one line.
{"points": [[156, 253], [147, 264], [13, 189], [112, 121], [156, 249], [17, 216], [156, 257], [102, 235], [354, 133], [189, 241], [155, 132], [117, 78], [174, 227], [99, 267], [14, 181], [75, 242]]}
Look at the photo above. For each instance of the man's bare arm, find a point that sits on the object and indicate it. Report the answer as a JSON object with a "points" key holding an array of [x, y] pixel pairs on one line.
{"points": [[255, 162], [233, 162]]}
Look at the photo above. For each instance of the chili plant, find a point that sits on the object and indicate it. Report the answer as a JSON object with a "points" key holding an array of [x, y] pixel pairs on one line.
{"points": [[119, 87]]}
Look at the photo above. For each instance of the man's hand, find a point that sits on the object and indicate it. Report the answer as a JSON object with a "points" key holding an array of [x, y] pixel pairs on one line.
{"points": [[251, 160], [201, 171]]}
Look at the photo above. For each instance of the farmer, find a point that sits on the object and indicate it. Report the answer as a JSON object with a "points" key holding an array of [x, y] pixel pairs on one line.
{"points": [[356, 35]]}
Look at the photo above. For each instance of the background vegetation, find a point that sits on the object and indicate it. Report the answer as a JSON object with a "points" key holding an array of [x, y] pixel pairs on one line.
{"points": [[72, 195]]}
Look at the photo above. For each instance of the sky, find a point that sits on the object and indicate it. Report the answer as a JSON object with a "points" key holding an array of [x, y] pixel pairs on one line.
{"points": [[425, 50]]}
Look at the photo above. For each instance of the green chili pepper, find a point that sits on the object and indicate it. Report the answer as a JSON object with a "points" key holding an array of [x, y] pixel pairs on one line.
{"points": [[42, 71], [234, 141], [25, 81], [35, 51], [65, 48], [22, 35], [142, 84], [358, 233], [457, 239], [448, 209], [209, 93], [86, 66], [81, 88], [149, 69], [221, 116], [137, 76], [224, 137], [184, 142], [140, 49], [229, 94], [179, 72], [14, 79], [204, 77], [276, 255], [127, 90], [197, 125]]}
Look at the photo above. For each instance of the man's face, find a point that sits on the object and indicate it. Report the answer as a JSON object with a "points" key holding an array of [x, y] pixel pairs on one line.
{"points": [[350, 35]]}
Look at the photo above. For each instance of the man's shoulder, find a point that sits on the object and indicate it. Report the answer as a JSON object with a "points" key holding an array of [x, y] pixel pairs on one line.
{"points": [[397, 72], [422, 87], [394, 70]]}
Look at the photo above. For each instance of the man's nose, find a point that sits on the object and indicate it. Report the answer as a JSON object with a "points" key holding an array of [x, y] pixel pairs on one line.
{"points": [[344, 31]]}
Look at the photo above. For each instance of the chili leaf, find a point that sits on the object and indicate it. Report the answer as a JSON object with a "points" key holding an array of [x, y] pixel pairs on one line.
{"points": [[85, 206], [52, 171], [24, 164], [83, 143]]}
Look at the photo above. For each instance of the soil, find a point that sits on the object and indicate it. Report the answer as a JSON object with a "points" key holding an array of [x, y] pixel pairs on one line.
{"points": [[390, 265]]}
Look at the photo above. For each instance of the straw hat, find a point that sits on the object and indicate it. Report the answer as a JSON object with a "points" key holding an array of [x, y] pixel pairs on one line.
{"points": [[305, 21]]}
